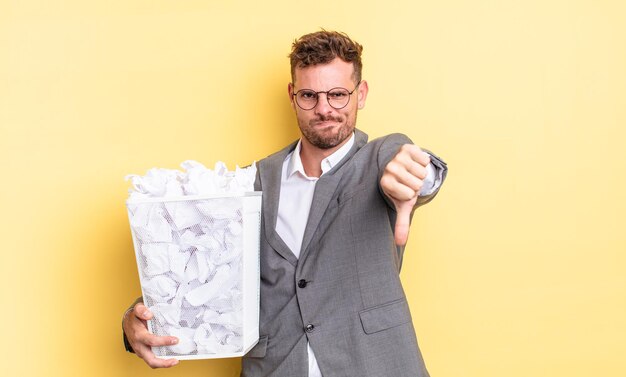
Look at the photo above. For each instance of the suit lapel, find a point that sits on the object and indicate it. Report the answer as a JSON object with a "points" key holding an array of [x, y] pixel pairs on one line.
{"points": [[324, 191], [271, 172]]}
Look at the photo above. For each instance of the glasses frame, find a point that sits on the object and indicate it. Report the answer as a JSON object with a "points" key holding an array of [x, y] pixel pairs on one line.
{"points": [[317, 96]]}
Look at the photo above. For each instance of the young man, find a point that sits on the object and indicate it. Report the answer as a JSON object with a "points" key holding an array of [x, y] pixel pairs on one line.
{"points": [[336, 214]]}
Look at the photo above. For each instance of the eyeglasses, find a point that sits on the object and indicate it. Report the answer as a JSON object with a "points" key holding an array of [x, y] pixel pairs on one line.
{"points": [[337, 98]]}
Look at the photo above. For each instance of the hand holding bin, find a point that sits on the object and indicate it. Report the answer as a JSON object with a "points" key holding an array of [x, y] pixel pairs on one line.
{"points": [[198, 261]]}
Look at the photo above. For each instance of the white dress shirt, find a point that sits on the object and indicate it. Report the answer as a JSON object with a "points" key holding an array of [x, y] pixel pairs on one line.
{"points": [[296, 195]]}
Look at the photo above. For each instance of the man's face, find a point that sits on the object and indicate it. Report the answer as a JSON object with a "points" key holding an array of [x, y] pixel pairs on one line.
{"points": [[323, 126]]}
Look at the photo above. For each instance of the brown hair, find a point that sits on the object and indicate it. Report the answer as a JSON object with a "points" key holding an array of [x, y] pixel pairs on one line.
{"points": [[323, 47]]}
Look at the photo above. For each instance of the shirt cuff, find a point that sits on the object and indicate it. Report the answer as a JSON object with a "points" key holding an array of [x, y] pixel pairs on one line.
{"points": [[429, 184]]}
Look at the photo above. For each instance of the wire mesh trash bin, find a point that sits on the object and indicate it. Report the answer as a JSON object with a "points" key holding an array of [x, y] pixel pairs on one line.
{"points": [[198, 262]]}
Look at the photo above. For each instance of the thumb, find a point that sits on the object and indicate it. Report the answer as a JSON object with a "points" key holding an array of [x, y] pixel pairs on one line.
{"points": [[142, 312], [403, 220]]}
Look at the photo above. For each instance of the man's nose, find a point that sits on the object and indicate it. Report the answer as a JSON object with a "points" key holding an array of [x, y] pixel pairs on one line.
{"points": [[322, 106]]}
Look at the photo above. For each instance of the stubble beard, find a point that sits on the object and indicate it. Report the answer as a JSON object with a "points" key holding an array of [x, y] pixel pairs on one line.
{"points": [[327, 141]]}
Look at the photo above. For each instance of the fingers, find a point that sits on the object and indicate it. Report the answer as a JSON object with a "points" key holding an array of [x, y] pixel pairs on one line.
{"points": [[145, 353], [143, 349], [142, 344], [399, 175], [142, 341], [415, 153], [146, 338], [404, 175], [154, 362], [396, 190]]}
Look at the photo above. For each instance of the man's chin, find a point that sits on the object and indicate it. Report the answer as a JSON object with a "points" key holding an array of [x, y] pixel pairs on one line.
{"points": [[328, 141]]}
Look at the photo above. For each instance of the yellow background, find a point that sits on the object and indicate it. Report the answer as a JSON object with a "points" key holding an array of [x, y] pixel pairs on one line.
{"points": [[518, 268]]}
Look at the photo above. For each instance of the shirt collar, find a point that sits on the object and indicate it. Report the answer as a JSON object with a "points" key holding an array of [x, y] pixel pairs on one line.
{"points": [[295, 163]]}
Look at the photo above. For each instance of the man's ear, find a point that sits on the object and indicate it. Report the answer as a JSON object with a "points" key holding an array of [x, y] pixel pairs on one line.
{"points": [[362, 94], [290, 92]]}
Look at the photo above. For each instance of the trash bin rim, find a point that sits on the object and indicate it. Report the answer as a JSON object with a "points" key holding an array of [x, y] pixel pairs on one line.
{"points": [[193, 197]]}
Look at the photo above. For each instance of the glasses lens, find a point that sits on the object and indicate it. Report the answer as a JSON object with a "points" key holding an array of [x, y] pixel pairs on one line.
{"points": [[338, 98], [306, 99]]}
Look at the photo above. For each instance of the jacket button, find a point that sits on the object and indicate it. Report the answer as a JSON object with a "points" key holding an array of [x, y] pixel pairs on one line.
{"points": [[309, 328], [302, 283]]}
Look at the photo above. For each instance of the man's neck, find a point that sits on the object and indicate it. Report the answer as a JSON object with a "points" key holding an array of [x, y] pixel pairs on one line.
{"points": [[312, 156]]}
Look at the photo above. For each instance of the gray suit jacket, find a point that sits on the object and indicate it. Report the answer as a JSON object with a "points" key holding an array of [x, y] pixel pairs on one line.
{"points": [[343, 295]]}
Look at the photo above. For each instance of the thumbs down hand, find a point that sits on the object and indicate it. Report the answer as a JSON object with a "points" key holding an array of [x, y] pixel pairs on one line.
{"points": [[402, 181]]}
